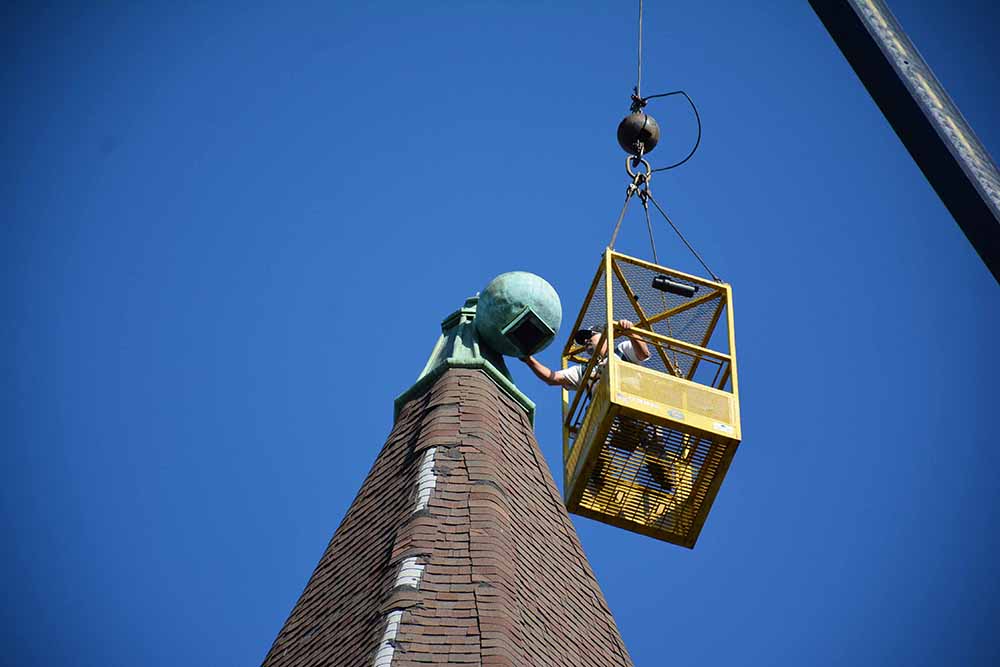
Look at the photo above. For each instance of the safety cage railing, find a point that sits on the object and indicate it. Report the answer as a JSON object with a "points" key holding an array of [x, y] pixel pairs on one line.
{"points": [[646, 445]]}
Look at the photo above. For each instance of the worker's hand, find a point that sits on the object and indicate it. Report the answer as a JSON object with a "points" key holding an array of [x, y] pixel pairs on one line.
{"points": [[625, 324]]}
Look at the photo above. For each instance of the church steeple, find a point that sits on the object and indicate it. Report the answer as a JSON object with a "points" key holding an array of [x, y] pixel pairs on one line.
{"points": [[457, 548]]}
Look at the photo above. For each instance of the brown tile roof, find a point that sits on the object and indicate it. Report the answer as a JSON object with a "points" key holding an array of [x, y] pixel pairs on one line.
{"points": [[485, 570]]}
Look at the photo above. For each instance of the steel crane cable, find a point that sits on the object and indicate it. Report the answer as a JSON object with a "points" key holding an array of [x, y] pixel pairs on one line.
{"points": [[638, 101], [640, 186], [621, 216], [633, 188], [638, 74], [644, 196], [640, 180], [678, 231]]}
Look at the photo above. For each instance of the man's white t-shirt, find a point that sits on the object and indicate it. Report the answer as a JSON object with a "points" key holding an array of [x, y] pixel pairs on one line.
{"points": [[574, 373]]}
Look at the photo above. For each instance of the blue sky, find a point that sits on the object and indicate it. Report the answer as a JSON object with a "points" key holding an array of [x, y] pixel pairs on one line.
{"points": [[231, 233]]}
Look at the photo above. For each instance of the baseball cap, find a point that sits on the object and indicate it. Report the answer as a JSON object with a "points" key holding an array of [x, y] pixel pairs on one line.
{"points": [[582, 336]]}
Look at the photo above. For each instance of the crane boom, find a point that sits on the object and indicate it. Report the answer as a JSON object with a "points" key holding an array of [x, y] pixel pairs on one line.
{"points": [[925, 118]]}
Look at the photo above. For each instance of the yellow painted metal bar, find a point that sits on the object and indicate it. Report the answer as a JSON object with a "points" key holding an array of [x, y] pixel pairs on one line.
{"points": [[584, 378], [708, 489], [725, 376], [708, 335], [570, 352], [642, 314], [684, 345], [565, 407], [732, 350], [585, 426], [672, 272], [586, 304], [674, 537], [577, 478], [715, 294], [609, 331]]}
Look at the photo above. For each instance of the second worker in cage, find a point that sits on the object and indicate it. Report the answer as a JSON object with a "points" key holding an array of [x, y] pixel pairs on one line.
{"points": [[633, 349]]}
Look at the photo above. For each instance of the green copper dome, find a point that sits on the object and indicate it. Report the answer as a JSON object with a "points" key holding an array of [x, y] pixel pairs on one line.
{"points": [[518, 314]]}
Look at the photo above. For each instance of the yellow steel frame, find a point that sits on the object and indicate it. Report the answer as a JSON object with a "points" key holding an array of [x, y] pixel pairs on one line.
{"points": [[586, 425]]}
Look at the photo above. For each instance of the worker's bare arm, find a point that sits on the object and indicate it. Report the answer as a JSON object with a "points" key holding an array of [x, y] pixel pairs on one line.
{"points": [[546, 374], [638, 344]]}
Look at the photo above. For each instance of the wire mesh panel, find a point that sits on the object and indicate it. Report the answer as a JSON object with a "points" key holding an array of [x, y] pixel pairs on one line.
{"points": [[647, 444], [699, 319], [652, 479]]}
